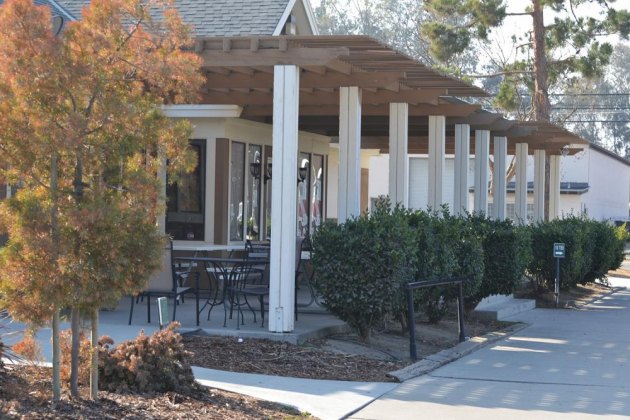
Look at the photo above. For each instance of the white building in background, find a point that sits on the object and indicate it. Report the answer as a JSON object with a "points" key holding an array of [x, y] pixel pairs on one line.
{"points": [[594, 181]]}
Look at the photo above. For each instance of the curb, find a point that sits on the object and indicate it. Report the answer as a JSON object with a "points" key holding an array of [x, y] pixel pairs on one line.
{"points": [[430, 363]]}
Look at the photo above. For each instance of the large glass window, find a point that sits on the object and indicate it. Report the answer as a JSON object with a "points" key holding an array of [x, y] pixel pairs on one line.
{"points": [[185, 200], [317, 192], [255, 173], [237, 191], [303, 194]]}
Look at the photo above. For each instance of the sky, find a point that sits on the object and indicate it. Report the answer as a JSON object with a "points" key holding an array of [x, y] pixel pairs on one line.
{"points": [[516, 25]]}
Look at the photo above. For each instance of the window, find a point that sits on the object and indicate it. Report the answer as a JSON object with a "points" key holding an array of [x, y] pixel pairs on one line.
{"points": [[303, 194], [317, 192], [237, 190], [185, 200], [310, 193], [254, 156]]}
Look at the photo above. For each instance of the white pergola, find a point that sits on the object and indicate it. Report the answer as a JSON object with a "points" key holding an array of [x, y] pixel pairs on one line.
{"points": [[369, 96]]}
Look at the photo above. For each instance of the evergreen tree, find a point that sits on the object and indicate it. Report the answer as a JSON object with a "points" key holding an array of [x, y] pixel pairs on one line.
{"points": [[81, 130]]}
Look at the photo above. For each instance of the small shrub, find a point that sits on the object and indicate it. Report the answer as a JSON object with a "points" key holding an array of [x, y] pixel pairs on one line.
{"points": [[506, 254], [447, 248], [156, 363], [359, 266], [29, 349], [592, 249], [65, 357]]}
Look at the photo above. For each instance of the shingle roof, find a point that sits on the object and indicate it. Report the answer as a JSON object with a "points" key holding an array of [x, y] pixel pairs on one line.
{"points": [[217, 17], [56, 11]]}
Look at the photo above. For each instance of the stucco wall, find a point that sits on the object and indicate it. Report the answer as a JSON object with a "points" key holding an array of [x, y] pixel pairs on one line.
{"points": [[608, 178]]}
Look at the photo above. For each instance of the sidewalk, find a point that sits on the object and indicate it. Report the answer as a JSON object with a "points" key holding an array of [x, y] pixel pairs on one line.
{"points": [[567, 364]]}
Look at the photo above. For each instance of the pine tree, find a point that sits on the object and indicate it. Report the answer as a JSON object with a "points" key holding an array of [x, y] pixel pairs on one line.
{"points": [[568, 49]]}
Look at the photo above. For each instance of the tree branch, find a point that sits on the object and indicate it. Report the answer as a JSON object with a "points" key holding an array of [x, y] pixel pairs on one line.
{"points": [[499, 73]]}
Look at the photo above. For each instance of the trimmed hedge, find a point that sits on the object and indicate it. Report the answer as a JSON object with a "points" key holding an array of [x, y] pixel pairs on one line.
{"points": [[360, 264], [507, 253], [592, 249]]}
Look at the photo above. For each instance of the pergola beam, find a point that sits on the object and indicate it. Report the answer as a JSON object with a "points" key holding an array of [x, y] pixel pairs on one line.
{"points": [[308, 79], [271, 57]]}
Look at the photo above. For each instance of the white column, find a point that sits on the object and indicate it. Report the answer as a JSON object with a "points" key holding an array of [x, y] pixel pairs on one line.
{"points": [[437, 140], [539, 185], [349, 153], [520, 189], [499, 192], [554, 187], [462, 159], [283, 198], [398, 153], [482, 169]]}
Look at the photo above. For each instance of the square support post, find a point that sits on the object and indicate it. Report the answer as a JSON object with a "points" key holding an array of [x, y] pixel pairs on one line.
{"points": [[286, 88], [349, 153], [462, 160], [554, 187], [437, 140], [499, 192], [398, 153], [482, 170], [539, 185], [520, 190]]}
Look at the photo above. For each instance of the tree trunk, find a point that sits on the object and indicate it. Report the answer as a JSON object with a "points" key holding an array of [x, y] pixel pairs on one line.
{"points": [[94, 353], [54, 233], [76, 314], [542, 107], [56, 376], [75, 326]]}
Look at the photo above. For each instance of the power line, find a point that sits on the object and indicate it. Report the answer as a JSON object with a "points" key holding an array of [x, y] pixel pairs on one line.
{"points": [[589, 94], [600, 121]]}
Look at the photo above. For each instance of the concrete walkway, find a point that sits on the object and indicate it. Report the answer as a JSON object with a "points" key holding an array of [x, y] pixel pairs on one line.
{"points": [[566, 364], [323, 399]]}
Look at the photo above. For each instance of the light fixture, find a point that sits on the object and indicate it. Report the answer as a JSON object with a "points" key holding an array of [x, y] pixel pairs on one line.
{"points": [[303, 171], [268, 172], [564, 151], [254, 169]]}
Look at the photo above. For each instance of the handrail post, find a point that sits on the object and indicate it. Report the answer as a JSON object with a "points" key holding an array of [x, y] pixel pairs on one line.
{"points": [[460, 312], [411, 324]]}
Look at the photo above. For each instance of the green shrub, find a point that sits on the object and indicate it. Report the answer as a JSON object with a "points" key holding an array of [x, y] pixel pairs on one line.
{"points": [[542, 267], [446, 248], [156, 363], [592, 249], [359, 266], [507, 252], [604, 248]]}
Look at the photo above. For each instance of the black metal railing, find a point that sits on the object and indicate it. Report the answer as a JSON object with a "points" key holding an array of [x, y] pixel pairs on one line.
{"points": [[410, 287]]}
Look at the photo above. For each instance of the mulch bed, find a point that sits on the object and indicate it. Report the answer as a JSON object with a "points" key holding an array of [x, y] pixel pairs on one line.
{"points": [[284, 359], [574, 297], [25, 394]]}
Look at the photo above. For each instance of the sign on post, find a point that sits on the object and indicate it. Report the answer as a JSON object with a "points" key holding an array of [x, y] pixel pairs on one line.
{"points": [[163, 311], [558, 250]]}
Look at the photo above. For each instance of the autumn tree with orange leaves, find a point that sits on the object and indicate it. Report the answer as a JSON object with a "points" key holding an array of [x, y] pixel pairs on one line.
{"points": [[82, 133]]}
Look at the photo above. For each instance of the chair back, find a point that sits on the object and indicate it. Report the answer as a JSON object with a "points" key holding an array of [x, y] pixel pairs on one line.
{"points": [[257, 249], [165, 279], [239, 275]]}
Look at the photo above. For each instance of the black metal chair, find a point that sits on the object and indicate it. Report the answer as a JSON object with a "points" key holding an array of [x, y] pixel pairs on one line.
{"points": [[246, 279], [176, 287]]}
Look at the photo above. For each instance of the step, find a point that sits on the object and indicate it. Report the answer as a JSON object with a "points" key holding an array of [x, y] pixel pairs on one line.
{"points": [[501, 310]]}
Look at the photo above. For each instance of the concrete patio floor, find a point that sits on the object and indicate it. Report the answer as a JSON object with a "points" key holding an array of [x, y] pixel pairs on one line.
{"points": [[313, 322]]}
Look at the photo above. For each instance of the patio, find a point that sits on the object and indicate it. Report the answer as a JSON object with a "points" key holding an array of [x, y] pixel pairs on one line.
{"points": [[313, 321]]}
